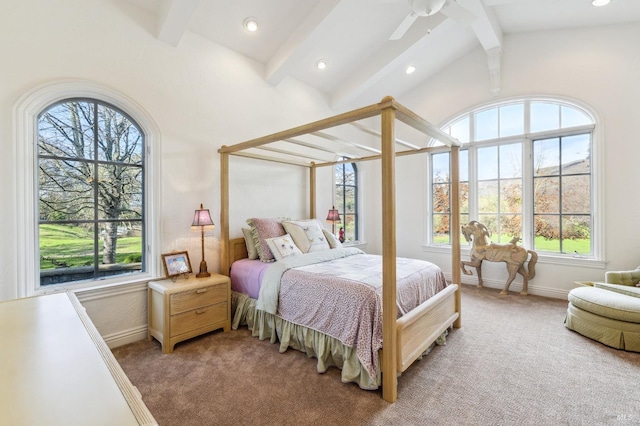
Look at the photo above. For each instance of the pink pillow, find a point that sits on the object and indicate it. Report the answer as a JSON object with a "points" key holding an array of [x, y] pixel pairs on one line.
{"points": [[263, 229]]}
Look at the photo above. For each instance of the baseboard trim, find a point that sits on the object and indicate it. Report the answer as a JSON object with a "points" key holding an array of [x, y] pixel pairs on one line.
{"points": [[515, 287], [126, 336]]}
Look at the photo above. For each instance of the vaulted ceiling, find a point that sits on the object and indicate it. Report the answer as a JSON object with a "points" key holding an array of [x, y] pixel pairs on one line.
{"points": [[353, 36]]}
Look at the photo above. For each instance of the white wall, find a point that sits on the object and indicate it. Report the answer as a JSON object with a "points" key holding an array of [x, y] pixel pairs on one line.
{"points": [[598, 67], [202, 96]]}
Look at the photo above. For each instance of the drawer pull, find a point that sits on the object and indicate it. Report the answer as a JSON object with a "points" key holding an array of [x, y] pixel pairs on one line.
{"points": [[202, 290], [200, 311]]}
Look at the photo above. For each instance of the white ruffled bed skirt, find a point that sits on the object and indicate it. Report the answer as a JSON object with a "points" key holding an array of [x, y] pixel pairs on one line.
{"points": [[328, 350]]}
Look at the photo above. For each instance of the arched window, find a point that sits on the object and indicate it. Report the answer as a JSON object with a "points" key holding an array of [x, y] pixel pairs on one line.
{"points": [[91, 165], [346, 196], [87, 203], [526, 171]]}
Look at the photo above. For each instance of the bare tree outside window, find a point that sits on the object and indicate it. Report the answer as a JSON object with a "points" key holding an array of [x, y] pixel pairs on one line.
{"points": [[347, 199], [90, 195]]}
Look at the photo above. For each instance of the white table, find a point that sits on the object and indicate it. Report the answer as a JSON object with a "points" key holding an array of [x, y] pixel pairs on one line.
{"points": [[55, 369]]}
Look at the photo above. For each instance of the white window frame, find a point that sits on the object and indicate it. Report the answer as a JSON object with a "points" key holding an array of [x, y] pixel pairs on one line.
{"points": [[597, 257], [25, 118], [357, 200]]}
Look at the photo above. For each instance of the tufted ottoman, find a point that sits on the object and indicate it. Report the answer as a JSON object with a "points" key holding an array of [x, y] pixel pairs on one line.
{"points": [[607, 313]]}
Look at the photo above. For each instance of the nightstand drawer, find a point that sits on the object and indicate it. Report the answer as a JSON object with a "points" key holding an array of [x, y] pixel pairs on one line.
{"points": [[196, 298], [182, 309], [201, 317]]}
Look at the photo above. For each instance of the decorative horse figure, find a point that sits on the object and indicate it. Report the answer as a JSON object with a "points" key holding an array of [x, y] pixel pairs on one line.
{"points": [[510, 253]]}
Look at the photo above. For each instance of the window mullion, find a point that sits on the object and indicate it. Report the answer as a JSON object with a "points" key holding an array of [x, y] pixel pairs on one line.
{"points": [[96, 227], [527, 188], [473, 183]]}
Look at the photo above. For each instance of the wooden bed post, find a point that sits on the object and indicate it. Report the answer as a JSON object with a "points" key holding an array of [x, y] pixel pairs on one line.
{"points": [[455, 230], [389, 309], [406, 338], [224, 214], [312, 191]]}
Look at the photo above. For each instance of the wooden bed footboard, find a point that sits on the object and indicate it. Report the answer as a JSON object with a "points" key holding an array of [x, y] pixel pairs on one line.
{"points": [[420, 327]]}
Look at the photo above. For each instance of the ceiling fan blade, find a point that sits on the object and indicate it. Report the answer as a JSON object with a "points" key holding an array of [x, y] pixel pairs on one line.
{"points": [[404, 26], [458, 13]]}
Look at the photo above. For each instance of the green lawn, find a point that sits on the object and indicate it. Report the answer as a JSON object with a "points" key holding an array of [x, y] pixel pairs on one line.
{"points": [[65, 245], [582, 247]]}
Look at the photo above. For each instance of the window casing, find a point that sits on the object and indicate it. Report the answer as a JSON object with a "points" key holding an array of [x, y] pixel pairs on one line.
{"points": [[346, 196], [91, 163], [525, 172], [26, 112]]}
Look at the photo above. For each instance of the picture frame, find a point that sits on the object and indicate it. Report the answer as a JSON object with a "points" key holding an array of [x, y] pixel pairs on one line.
{"points": [[176, 264]]}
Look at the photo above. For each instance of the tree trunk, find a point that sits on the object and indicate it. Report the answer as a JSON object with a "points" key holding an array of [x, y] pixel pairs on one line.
{"points": [[109, 244]]}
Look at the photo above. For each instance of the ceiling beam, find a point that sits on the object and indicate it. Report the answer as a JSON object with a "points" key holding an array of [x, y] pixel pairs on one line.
{"points": [[385, 61], [307, 34], [173, 19], [489, 34]]}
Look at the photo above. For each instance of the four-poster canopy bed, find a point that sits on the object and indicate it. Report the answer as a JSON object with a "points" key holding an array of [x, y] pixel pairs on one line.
{"points": [[404, 339]]}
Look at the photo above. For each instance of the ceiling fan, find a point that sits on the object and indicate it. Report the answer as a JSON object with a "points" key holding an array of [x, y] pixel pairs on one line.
{"points": [[420, 8]]}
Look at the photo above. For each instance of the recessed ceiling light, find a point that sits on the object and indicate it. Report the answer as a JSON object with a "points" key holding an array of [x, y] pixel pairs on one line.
{"points": [[321, 64], [600, 2], [410, 69], [250, 24]]}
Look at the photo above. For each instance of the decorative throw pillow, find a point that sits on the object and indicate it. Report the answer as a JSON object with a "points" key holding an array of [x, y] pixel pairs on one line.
{"points": [[307, 235], [261, 230], [331, 239], [251, 245], [282, 247]]}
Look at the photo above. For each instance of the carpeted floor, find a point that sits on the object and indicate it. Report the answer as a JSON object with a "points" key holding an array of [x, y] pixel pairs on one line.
{"points": [[512, 363]]}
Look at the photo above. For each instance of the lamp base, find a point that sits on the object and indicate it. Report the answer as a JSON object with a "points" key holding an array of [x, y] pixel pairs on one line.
{"points": [[203, 270]]}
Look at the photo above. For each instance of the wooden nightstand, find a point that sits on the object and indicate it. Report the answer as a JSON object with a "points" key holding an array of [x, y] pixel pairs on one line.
{"points": [[187, 308]]}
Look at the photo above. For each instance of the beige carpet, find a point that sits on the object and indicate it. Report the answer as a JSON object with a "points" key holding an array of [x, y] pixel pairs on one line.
{"points": [[512, 363]]}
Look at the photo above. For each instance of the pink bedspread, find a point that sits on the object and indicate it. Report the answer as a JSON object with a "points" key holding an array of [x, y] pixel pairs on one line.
{"points": [[347, 304], [246, 276], [337, 292]]}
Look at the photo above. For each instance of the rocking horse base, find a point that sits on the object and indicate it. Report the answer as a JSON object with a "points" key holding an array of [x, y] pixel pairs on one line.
{"points": [[510, 253]]}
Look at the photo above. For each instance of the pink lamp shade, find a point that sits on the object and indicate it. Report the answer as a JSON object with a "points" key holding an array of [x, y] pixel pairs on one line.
{"points": [[333, 217], [202, 218]]}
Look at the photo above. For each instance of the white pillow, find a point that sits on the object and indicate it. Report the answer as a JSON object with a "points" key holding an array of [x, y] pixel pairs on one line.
{"points": [[251, 244], [282, 247], [331, 239], [306, 234]]}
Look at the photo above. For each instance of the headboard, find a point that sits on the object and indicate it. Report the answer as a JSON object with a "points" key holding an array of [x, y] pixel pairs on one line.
{"points": [[237, 251]]}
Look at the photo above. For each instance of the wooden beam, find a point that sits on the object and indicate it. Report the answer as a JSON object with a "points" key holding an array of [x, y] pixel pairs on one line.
{"points": [[224, 214], [389, 308], [378, 157], [336, 120], [345, 142], [412, 119], [377, 134], [272, 159], [291, 153], [312, 191]]}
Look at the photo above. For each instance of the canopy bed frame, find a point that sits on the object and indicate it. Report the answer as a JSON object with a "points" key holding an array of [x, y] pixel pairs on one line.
{"points": [[407, 337]]}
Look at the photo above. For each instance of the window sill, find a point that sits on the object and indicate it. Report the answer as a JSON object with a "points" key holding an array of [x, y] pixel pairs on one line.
{"points": [[543, 258], [112, 285], [357, 244]]}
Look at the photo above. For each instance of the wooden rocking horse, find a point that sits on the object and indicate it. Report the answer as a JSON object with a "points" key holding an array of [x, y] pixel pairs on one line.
{"points": [[510, 253]]}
